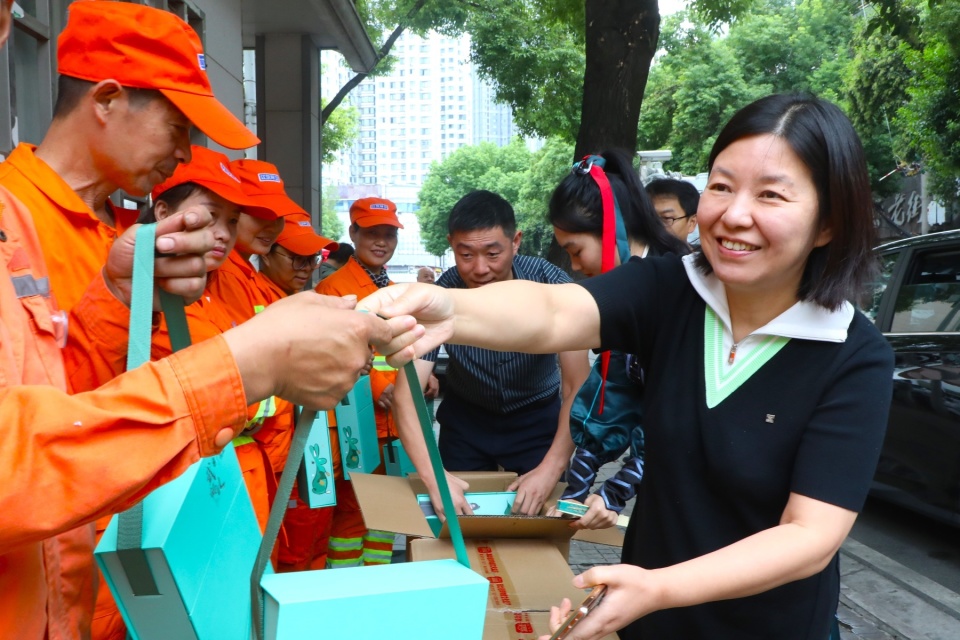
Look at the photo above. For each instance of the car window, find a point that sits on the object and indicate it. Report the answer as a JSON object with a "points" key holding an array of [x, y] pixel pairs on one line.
{"points": [[929, 300], [870, 302]]}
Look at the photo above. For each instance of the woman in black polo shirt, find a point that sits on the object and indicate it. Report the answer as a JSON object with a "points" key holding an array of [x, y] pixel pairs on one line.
{"points": [[766, 393]]}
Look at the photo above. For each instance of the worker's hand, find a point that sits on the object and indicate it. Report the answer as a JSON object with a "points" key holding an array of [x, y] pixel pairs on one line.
{"points": [[457, 488], [597, 516], [433, 388], [183, 238], [631, 594], [533, 489], [385, 401], [431, 305], [311, 349]]}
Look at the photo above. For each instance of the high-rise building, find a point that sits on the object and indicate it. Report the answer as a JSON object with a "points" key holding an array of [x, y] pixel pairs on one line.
{"points": [[432, 103]]}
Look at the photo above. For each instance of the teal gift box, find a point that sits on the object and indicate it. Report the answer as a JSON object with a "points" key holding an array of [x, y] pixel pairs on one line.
{"points": [[315, 484], [430, 600], [200, 537], [396, 460], [357, 430]]}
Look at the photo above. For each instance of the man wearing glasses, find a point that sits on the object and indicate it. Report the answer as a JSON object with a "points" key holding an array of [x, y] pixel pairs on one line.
{"points": [[675, 201]]}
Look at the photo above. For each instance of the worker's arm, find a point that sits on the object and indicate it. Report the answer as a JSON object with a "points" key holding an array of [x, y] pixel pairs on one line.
{"points": [[411, 435], [534, 487]]}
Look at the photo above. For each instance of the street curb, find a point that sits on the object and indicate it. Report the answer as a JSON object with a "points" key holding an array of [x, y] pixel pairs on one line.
{"points": [[899, 599]]}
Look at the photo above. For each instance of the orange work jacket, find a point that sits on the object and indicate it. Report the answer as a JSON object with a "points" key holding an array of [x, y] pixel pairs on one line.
{"points": [[352, 279], [74, 241], [236, 288], [151, 424]]}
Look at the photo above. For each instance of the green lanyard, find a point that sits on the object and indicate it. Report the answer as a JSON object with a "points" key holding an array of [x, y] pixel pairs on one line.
{"points": [[130, 522]]}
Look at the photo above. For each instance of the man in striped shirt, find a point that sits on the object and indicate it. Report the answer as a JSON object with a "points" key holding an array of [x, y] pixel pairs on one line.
{"points": [[500, 410]]}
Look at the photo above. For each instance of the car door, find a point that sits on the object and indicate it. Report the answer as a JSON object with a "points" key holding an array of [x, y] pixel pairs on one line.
{"points": [[919, 313]]}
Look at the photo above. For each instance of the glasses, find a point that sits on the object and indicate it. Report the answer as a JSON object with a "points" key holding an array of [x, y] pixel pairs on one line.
{"points": [[300, 263], [672, 219]]}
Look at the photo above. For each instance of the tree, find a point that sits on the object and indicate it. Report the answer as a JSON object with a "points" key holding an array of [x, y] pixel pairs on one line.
{"points": [[339, 131], [330, 224], [484, 166], [548, 167]]}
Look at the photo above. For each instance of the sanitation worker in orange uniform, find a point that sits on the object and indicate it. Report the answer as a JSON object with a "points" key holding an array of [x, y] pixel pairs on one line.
{"points": [[117, 129], [373, 231], [284, 271]]}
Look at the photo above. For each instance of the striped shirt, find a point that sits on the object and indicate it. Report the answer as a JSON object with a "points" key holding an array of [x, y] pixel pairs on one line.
{"points": [[503, 382]]}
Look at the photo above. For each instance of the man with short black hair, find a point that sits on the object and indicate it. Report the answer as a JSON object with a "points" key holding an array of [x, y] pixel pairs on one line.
{"points": [[508, 410], [675, 201]]}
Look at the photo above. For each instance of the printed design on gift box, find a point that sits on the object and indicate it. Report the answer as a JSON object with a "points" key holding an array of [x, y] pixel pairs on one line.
{"points": [[353, 453], [320, 485], [214, 482]]}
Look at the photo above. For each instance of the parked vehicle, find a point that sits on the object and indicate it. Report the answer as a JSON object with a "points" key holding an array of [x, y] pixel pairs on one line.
{"points": [[916, 304]]}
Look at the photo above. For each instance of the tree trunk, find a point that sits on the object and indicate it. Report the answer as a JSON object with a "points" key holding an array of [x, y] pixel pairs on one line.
{"points": [[621, 38]]}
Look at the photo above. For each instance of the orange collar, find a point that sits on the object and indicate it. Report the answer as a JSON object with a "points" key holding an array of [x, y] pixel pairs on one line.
{"points": [[241, 264], [47, 181]]}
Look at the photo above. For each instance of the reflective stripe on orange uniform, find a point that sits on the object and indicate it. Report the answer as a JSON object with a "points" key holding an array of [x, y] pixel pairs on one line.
{"points": [[150, 424]]}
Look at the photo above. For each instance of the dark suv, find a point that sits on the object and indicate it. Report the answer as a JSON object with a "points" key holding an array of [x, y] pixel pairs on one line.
{"points": [[916, 304]]}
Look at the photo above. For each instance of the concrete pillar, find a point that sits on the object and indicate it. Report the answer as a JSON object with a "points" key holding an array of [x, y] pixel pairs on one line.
{"points": [[288, 114]]}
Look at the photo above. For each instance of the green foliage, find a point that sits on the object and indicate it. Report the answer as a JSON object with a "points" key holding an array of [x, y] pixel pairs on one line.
{"points": [[549, 166], [330, 223], [484, 166], [339, 130]]}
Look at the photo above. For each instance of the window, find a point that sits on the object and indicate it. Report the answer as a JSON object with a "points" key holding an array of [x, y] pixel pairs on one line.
{"points": [[929, 299], [870, 303]]}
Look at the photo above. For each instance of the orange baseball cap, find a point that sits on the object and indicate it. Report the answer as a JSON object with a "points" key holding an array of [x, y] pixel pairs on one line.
{"points": [[211, 170], [369, 212], [299, 237], [262, 182], [147, 48]]}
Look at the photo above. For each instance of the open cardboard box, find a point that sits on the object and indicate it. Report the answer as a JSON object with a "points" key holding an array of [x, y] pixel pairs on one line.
{"points": [[523, 557]]}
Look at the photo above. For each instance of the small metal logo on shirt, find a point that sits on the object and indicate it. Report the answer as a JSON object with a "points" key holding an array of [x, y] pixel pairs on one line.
{"points": [[770, 418]]}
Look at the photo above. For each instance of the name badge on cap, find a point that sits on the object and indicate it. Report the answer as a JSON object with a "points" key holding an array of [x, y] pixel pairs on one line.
{"points": [[202, 59], [303, 223], [377, 205], [269, 177]]}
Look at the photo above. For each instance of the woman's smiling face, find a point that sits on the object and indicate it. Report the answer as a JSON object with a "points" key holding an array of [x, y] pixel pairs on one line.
{"points": [[759, 217]]}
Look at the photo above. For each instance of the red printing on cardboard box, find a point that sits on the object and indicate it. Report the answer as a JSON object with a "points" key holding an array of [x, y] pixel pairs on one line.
{"points": [[490, 570]]}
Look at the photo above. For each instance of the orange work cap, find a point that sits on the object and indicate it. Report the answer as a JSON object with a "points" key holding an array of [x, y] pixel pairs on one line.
{"points": [[211, 170], [262, 182], [147, 48], [299, 237], [369, 212]]}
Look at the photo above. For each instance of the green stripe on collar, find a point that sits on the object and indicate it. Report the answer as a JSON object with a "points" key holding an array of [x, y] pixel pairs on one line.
{"points": [[720, 384]]}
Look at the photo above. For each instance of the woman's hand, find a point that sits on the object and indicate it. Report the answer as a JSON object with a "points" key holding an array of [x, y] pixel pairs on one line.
{"points": [[433, 308], [630, 595]]}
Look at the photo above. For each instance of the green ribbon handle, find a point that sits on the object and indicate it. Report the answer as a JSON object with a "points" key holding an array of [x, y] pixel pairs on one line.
{"points": [[130, 523], [426, 424]]}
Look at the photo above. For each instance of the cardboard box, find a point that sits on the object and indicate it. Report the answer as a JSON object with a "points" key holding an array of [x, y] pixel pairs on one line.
{"points": [[524, 558], [315, 484], [436, 600], [526, 578], [201, 538], [357, 430], [396, 460], [495, 503]]}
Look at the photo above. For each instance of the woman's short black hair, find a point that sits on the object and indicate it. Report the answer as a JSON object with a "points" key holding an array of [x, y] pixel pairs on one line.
{"points": [[825, 141], [576, 206], [173, 197]]}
